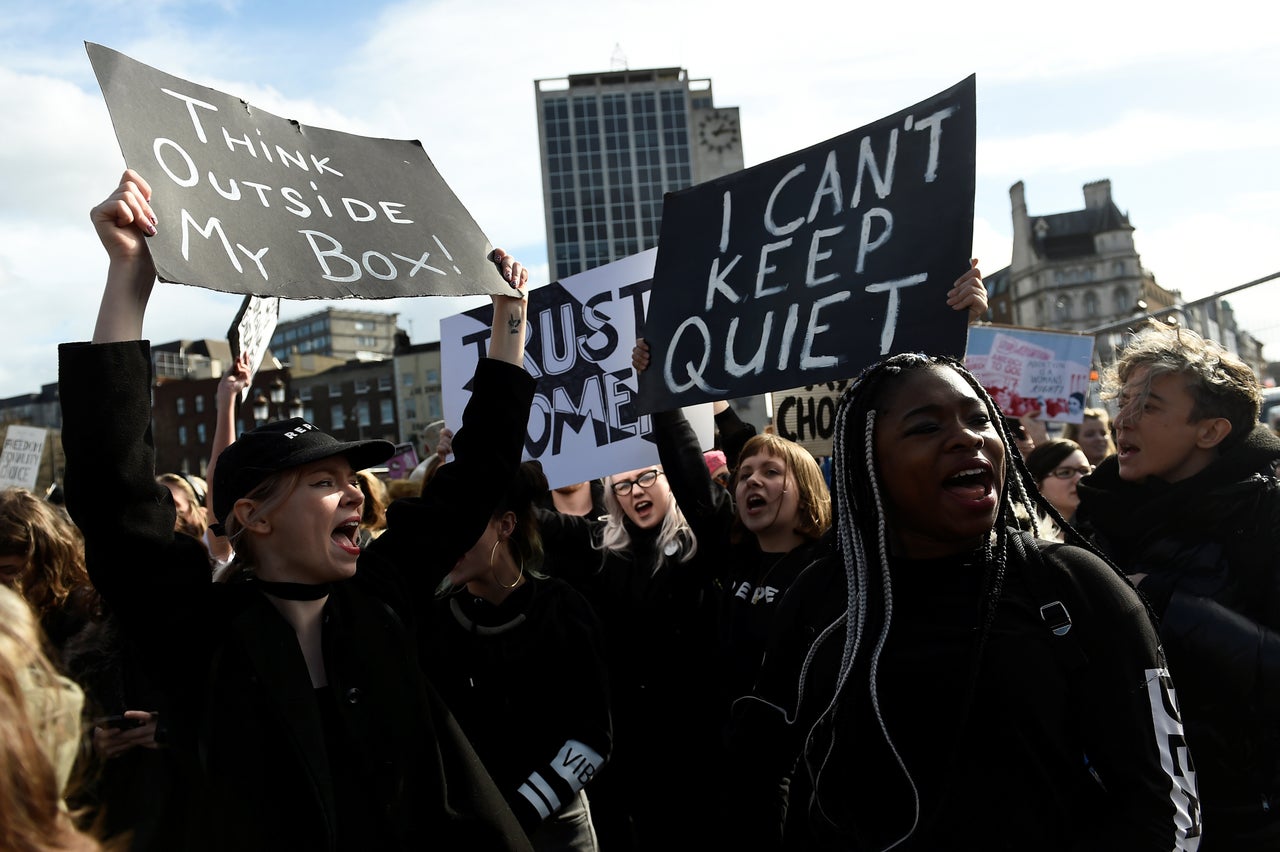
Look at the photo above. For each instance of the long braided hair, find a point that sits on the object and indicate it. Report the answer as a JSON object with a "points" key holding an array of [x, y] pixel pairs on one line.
{"points": [[862, 539]]}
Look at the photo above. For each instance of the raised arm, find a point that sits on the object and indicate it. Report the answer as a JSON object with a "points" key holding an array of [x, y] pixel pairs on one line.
{"points": [[427, 535], [125, 515], [121, 221], [226, 397], [733, 431], [707, 506], [506, 343]]}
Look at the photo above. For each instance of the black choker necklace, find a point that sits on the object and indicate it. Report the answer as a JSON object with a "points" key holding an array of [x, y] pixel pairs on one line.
{"points": [[294, 591]]}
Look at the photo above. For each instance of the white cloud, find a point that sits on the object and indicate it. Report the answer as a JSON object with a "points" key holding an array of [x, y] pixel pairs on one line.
{"points": [[992, 246], [459, 76], [1139, 138]]}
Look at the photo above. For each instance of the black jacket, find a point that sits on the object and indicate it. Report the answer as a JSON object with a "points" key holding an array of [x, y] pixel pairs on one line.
{"points": [[1210, 546], [528, 683], [994, 746], [267, 761], [659, 619], [748, 583]]}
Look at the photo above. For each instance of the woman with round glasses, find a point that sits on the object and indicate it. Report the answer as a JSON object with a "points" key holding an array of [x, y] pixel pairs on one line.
{"points": [[1057, 466], [642, 568]]}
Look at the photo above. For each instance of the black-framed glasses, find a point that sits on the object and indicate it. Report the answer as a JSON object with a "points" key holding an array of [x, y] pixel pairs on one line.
{"points": [[1071, 472], [644, 480]]}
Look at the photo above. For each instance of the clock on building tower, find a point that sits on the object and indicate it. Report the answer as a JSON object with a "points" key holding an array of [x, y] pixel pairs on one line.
{"points": [[718, 131]]}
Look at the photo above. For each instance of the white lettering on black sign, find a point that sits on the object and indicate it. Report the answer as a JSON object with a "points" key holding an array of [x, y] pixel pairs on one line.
{"points": [[809, 267], [249, 202]]}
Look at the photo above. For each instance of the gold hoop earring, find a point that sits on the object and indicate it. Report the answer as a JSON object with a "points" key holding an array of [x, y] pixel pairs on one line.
{"points": [[519, 574], [516, 582]]}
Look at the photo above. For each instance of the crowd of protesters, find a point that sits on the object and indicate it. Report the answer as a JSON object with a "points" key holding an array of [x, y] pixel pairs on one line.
{"points": [[978, 636]]}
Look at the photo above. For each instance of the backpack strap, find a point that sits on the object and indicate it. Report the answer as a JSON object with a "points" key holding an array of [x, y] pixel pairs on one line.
{"points": [[1046, 578], [1056, 617]]}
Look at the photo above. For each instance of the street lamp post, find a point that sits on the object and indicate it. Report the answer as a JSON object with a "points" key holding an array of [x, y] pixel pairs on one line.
{"points": [[265, 407]]}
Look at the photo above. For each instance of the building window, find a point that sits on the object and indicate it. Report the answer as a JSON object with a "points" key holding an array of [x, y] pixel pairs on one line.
{"points": [[199, 403], [388, 410], [181, 403], [201, 433], [362, 413], [384, 383], [1091, 304], [1118, 267], [433, 406], [433, 377], [407, 380], [411, 409], [304, 393], [362, 385], [1062, 308], [335, 389], [337, 417], [182, 436], [1122, 303]]}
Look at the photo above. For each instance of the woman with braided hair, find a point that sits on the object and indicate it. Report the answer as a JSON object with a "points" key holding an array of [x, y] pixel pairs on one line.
{"points": [[943, 681]]}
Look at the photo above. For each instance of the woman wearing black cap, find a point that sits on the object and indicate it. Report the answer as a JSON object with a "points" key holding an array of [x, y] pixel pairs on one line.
{"points": [[299, 717]]}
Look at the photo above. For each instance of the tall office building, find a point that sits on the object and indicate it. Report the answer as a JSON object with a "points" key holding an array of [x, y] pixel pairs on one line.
{"points": [[339, 333], [612, 144]]}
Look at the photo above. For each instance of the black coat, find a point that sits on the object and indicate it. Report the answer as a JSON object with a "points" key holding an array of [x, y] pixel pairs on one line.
{"points": [[528, 683], [994, 747], [1210, 547], [659, 619], [261, 768]]}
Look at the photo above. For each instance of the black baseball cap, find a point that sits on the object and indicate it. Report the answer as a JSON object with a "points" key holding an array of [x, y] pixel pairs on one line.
{"points": [[279, 446]]}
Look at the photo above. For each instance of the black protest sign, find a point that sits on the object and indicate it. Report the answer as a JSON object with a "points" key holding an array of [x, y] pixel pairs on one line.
{"points": [[251, 331], [248, 202], [809, 267]]}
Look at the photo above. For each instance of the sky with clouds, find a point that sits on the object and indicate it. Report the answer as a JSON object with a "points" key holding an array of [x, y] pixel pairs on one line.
{"points": [[1178, 111]]}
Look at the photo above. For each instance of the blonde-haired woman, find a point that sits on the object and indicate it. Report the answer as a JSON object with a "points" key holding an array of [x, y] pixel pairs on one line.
{"points": [[646, 571], [299, 715], [1093, 434], [39, 738]]}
